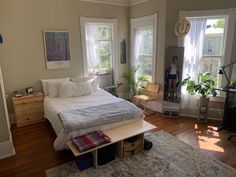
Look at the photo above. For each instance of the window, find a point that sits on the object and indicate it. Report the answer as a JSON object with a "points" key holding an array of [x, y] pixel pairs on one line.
{"points": [[143, 45], [214, 38], [98, 40]]}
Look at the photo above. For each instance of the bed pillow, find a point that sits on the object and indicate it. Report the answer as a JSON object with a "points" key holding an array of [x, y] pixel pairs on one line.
{"points": [[93, 80], [81, 79], [45, 81], [94, 83], [74, 89], [52, 88]]}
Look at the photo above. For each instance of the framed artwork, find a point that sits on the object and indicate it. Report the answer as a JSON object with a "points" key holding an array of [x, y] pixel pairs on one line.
{"points": [[57, 49], [123, 51]]}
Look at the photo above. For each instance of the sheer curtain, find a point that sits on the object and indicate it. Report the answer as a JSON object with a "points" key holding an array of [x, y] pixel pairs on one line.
{"points": [[91, 46], [193, 52], [138, 40]]}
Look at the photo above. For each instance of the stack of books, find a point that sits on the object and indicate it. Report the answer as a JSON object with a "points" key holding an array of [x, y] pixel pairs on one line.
{"points": [[90, 140]]}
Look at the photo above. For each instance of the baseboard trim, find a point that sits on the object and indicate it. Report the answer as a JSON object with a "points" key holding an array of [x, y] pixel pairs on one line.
{"points": [[192, 116], [7, 149]]}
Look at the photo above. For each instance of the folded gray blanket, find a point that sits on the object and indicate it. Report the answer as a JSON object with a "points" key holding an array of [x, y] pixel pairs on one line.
{"points": [[99, 115]]}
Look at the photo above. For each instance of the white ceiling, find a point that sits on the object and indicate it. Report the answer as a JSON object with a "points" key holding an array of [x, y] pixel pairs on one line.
{"points": [[117, 2]]}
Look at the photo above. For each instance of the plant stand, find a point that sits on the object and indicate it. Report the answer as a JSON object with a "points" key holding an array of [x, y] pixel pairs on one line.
{"points": [[203, 112], [203, 106]]}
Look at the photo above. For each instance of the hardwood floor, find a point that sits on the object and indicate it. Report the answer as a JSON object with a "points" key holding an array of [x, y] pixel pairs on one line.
{"points": [[35, 153]]}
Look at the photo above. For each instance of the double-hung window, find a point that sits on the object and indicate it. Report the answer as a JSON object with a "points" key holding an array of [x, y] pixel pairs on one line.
{"points": [[98, 43], [213, 47], [143, 45]]}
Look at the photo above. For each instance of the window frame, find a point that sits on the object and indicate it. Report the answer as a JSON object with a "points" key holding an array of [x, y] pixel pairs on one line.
{"points": [[141, 22], [230, 17], [100, 21]]}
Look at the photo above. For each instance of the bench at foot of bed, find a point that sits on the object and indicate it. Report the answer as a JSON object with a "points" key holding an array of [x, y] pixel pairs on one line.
{"points": [[118, 136]]}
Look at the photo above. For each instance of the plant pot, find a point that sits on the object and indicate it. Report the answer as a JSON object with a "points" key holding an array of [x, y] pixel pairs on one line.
{"points": [[204, 101]]}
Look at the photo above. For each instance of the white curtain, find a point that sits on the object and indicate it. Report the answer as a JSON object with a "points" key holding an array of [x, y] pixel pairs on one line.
{"points": [[138, 40], [193, 52], [91, 46]]}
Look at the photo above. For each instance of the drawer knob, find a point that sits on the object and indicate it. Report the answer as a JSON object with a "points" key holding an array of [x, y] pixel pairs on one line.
{"points": [[27, 119]]}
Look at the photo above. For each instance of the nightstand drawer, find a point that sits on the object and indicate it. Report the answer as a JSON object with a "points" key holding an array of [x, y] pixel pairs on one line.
{"points": [[28, 100], [32, 108], [29, 119]]}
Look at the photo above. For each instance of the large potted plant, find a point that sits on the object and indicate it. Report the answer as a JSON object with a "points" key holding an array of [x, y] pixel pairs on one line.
{"points": [[135, 83], [205, 86]]}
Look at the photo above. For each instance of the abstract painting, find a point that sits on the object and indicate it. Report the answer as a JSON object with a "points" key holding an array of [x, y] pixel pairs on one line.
{"points": [[57, 49]]}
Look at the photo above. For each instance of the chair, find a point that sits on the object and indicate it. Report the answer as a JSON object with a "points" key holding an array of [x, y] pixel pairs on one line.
{"points": [[150, 93]]}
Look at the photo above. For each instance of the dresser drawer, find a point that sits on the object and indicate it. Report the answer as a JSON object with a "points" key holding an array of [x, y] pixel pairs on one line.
{"points": [[29, 119], [24, 109]]}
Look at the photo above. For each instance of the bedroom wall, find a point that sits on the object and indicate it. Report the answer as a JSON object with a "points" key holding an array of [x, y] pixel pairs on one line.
{"points": [[22, 55]]}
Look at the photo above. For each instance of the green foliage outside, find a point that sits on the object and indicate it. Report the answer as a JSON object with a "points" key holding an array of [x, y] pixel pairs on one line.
{"points": [[220, 23]]}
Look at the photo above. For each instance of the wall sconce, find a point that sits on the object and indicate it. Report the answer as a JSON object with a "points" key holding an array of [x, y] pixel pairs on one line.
{"points": [[1, 39]]}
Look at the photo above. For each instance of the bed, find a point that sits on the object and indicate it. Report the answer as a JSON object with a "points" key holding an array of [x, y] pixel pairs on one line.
{"points": [[53, 106]]}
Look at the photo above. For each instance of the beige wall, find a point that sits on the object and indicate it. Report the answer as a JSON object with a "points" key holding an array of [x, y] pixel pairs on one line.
{"points": [[148, 8], [22, 55]]}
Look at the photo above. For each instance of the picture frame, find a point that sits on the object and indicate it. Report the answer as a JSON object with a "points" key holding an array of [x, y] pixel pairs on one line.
{"points": [[57, 49], [123, 51]]}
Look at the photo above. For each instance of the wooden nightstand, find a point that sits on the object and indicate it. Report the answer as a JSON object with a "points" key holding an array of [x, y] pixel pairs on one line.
{"points": [[28, 109]]}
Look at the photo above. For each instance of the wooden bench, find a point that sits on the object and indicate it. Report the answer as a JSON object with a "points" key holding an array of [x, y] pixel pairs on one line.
{"points": [[117, 135]]}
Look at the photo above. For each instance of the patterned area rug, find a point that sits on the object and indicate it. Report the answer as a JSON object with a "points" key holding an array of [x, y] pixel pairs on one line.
{"points": [[169, 157]]}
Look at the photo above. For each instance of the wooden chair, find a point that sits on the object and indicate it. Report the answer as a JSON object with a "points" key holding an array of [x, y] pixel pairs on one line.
{"points": [[149, 94]]}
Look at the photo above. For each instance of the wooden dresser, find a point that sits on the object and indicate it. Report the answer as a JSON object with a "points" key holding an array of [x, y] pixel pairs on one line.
{"points": [[28, 109]]}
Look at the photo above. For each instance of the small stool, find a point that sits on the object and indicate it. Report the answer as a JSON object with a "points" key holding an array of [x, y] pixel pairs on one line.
{"points": [[203, 111]]}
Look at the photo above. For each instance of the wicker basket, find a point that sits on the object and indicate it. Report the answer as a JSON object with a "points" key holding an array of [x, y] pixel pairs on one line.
{"points": [[132, 146]]}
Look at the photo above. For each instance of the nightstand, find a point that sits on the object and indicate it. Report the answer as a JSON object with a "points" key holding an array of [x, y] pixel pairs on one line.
{"points": [[28, 109]]}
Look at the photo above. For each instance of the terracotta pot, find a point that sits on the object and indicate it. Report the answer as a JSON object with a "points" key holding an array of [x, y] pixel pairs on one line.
{"points": [[204, 101]]}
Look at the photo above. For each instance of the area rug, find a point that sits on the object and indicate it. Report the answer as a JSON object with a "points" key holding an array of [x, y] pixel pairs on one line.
{"points": [[169, 157]]}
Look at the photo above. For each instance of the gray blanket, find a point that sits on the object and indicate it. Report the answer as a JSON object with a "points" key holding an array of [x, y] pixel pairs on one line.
{"points": [[99, 115]]}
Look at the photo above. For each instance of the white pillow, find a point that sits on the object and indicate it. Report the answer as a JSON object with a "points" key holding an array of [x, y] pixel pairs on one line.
{"points": [[52, 88], [81, 79], [45, 81], [93, 80], [94, 83], [74, 89]]}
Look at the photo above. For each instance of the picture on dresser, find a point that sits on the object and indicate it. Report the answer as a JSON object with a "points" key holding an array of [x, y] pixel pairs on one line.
{"points": [[57, 49]]}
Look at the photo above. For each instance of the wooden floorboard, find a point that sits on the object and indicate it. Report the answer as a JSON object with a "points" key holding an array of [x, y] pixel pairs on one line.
{"points": [[35, 153]]}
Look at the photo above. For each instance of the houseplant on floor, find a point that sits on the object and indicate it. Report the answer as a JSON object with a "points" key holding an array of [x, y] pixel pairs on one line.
{"points": [[205, 86], [135, 83]]}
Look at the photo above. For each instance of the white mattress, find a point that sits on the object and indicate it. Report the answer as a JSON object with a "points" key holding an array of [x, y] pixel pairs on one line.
{"points": [[53, 106]]}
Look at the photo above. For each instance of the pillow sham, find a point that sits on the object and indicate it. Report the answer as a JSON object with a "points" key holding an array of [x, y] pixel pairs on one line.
{"points": [[74, 89], [93, 80], [45, 81], [94, 83], [52, 88], [81, 79]]}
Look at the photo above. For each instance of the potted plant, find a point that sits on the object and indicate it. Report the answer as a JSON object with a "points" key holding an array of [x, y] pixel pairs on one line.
{"points": [[135, 83], [205, 86]]}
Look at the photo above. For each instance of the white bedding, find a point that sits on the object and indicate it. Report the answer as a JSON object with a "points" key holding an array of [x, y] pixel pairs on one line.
{"points": [[53, 106]]}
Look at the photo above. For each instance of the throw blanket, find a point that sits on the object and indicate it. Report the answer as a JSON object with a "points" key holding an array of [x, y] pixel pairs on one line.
{"points": [[99, 115], [90, 140]]}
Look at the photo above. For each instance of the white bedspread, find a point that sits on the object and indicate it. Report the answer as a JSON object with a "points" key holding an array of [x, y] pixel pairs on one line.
{"points": [[53, 106]]}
